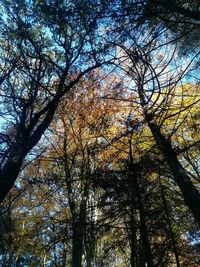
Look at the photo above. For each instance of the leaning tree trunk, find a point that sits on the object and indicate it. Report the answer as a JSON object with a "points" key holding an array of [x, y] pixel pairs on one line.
{"points": [[190, 193]]}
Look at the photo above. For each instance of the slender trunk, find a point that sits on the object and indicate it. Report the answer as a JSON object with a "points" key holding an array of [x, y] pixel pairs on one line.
{"points": [[169, 225], [141, 256], [44, 260], [78, 228], [77, 231], [77, 245], [143, 227], [145, 238], [90, 257], [133, 245], [90, 245]]}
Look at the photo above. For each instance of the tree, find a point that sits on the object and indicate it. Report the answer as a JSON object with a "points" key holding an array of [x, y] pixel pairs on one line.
{"points": [[150, 80], [108, 160], [100, 175], [180, 18], [45, 46]]}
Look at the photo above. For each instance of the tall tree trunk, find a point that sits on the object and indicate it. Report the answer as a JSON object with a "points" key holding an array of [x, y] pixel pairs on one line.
{"points": [[172, 236], [77, 245], [90, 245], [143, 227], [133, 242], [189, 192], [30, 135], [132, 234], [78, 228]]}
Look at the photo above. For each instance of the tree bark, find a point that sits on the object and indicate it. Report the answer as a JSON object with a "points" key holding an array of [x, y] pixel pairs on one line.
{"points": [[133, 243], [173, 239], [144, 233], [77, 245], [78, 228], [29, 135], [23, 143], [190, 193]]}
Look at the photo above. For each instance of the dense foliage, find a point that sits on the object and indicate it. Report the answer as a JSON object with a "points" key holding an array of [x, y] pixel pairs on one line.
{"points": [[100, 136]]}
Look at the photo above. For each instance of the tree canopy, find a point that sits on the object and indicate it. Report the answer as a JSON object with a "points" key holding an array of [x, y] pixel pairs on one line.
{"points": [[100, 137]]}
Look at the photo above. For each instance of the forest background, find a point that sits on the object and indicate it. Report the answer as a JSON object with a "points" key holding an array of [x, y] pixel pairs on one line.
{"points": [[100, 136]]}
